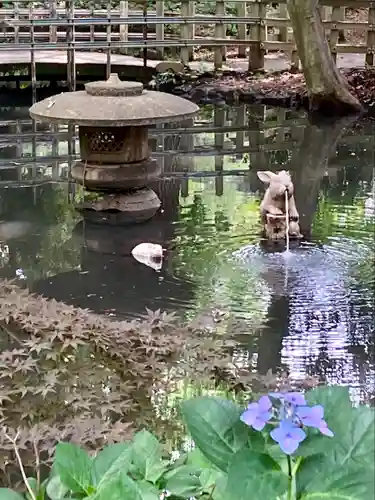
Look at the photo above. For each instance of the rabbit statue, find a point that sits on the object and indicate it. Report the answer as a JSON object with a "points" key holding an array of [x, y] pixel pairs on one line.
{"points": [[272, 207]]}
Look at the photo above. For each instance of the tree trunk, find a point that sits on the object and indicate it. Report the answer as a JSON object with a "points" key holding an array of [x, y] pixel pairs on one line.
{"points": [[328, 92]]}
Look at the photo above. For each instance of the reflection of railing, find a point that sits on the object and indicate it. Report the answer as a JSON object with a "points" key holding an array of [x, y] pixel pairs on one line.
{"points": [[231, 142], [238, 130], [252, 24]]}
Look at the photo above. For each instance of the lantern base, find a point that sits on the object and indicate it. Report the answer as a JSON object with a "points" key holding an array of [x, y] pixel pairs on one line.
{"points": [[116, 177], [119, 209]]}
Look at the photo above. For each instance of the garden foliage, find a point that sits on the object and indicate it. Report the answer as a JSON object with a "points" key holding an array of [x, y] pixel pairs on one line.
{"points": [[328, 445]]}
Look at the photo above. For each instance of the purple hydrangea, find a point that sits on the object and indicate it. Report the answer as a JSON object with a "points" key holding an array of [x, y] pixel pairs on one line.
{"points": [[293, 398], [313, 417], [258, 414], [288, 436], [291, 412]]}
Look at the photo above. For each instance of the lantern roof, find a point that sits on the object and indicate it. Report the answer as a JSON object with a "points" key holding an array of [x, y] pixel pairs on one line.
{"points": [[113, 103]]}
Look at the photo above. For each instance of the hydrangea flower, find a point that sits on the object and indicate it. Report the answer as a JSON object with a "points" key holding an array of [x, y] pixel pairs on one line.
{"points": [[293, 398], [291, 412], [288, 436], [313, 417], [258, 414]]}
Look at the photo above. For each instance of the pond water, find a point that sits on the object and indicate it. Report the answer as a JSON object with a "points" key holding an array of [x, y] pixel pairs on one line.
{"points": [[310, 314]]}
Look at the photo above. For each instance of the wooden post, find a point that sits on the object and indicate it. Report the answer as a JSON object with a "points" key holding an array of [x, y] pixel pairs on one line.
{"points": [[71, 69], [33, 170], [337, 15], [191, 28], [241, 28], [123, 28], [160, 27], [219, 33], [18, 130], [53, 15], [160, 145], [219, 121], [185, 187], [256, 136], [16, 16], [326, 14], [185, 32], [257, 33], [294, 60], [370, 37], [281, 118], [55, 150], [283, 32], [109, 36], [92, 27], [71, 145], [240, 134], [32, 54]]}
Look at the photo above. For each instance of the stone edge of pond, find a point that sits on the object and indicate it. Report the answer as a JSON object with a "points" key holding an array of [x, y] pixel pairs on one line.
{"points": [[282, 89]]}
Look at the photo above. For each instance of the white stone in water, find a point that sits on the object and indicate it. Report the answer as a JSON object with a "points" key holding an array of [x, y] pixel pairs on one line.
{"points": [[149, 254]]}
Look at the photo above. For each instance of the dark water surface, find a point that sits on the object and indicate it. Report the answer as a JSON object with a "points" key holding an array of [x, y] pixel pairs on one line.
{"points": [[312, 313]]}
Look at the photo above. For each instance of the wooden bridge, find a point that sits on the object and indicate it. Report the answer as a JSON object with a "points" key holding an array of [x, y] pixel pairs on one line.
{"points": [[100, 38]]}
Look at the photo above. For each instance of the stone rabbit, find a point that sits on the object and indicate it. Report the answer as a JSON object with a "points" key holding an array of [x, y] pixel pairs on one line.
{"points": [[273, 204]]}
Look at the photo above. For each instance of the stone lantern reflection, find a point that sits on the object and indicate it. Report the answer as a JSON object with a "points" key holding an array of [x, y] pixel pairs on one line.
{"points": [[113, 119]]}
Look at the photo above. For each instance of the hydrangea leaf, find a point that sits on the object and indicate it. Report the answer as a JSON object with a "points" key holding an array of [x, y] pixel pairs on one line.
{"points": [[317, 480], [256, 476], [215, 426], [124, 487], [74, 467], [147, 456], [184, 482], [110, 462], [8, 494]]}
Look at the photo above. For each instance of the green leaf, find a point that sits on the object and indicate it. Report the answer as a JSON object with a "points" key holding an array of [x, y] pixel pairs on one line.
{"points": [[147, 456], [74, 467], [8, 494], [39, 490], [148, 491], [353, 441], [197, 459], [220, 489], [344, 468], [125, 488], [333, 398], [216, 428], [256, 476], [209, 479], [351, 426], [183, 481], [56, 490], [33, 483], [110, 462], [345, 483]]}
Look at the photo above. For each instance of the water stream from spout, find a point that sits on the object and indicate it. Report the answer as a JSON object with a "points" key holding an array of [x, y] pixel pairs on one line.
{"points": [[287, 221]]}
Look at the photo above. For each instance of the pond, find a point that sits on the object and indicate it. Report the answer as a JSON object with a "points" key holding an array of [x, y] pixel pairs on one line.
{"points": [[312, 314]]}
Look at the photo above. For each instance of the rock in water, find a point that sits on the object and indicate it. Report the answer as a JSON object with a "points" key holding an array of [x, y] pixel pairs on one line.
{"points": [[149, 254], [13, 229]]}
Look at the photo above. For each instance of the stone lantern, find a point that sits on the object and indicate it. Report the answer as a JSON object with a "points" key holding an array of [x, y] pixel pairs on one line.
{"points": [[113, 119]]}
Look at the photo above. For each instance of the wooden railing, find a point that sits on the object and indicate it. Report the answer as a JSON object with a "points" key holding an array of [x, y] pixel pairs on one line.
{"points": [[121, 29]]}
